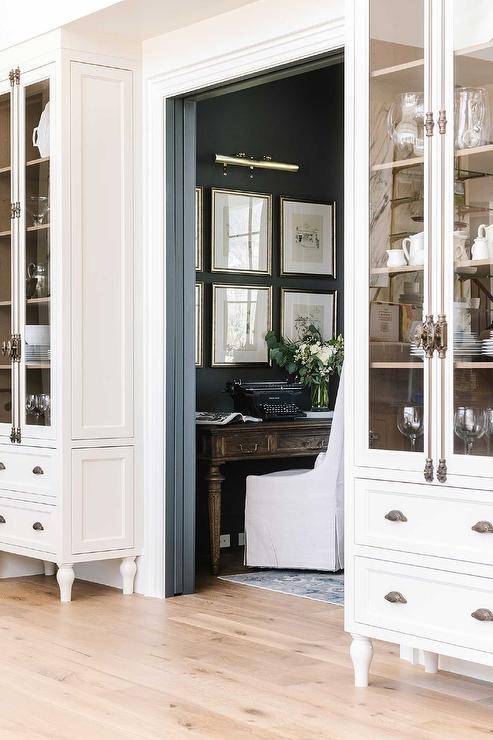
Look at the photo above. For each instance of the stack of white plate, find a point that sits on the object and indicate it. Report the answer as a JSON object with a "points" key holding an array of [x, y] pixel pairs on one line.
{"points": [[417, 352], [466, 344], [487, 346]]}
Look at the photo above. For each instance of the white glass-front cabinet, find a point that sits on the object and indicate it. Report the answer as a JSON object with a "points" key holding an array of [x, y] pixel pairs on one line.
{"points": [[420, 330], [67, 362]]}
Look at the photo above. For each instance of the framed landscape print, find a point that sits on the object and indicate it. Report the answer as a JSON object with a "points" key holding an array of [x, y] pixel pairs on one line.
{"points": [[303, 306], [241, 232], [307, 238], [199, 240], [199, 313], [241, 317]]}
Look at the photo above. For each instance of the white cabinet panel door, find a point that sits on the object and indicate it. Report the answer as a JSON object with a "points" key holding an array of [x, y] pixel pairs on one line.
{"points": [[102, 252], [102, 503]]}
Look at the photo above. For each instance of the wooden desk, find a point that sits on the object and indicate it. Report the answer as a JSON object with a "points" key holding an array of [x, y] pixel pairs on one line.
{"points": [[246, 441]]}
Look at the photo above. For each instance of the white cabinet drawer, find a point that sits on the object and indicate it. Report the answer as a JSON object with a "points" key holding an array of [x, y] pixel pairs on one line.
{"points": [[28, 470], [439, 522], [27, 525], [438, 605]]}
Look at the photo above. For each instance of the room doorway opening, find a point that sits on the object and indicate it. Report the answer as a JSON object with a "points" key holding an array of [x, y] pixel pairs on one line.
{"points": [[293, 114]]}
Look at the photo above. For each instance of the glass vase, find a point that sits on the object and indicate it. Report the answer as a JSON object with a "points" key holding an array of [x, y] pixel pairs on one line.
{"points": [[320, 396]]}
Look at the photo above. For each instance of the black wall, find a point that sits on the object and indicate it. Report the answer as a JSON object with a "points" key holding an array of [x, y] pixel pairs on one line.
{"points": [[300, 120]]}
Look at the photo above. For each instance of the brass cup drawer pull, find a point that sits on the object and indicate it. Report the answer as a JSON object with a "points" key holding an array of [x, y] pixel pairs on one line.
{"points": [[483, 615], [483, 527], [2, 519], [394, 597], [249, 451], [38, 527], [396, 516], [2, 466], [38, 471]]}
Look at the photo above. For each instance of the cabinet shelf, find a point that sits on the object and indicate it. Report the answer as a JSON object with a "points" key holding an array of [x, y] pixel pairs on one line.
{"points": [[396, 270], [397, 365], [40, 160], [5, 303], [39, 227], [398, 164], [5, 233], [38, 365], [38, 301], [4, 170], [459, 365]]}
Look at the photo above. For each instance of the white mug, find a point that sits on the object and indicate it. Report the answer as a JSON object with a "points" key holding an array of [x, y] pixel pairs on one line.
{"points": [[396, 258], [480, 249], [414, 248]]}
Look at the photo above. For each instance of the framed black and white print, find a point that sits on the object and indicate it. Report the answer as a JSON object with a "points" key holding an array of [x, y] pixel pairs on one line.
{"points": [[241, 317], [301, 307], [199, 233], [307, 238], [241, 232], [199, 314]]}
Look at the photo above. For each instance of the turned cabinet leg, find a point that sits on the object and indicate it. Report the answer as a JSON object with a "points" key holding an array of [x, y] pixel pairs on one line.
{"points": [[361, 654], [128, 569], [430, 662], [215, 479], [50, 568], [65, 577]]}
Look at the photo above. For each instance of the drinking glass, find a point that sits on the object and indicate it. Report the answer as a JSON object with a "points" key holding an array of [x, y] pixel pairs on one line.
{"points": [[44, 404], [470, 117], [39, 205], [469, 425], [405, 123], [410, 423], [31, 404]]}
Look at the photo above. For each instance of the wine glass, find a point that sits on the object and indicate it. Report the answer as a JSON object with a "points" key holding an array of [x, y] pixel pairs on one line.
{"points": [[410, 423], [39, 205], [489, 426], [469, 424], [44, 404], [31, 404]]}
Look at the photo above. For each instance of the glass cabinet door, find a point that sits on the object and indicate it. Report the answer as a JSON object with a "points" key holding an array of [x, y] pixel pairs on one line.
{"points": [[36, 253], [6, 257], [398, 224], [469, 236]]}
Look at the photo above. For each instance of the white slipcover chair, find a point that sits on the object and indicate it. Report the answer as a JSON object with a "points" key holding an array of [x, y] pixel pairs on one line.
{"points": [[295, 518]]}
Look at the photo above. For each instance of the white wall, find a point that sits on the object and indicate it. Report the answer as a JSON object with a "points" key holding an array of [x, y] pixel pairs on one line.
{"points": [[239, 29], [24, 19]]}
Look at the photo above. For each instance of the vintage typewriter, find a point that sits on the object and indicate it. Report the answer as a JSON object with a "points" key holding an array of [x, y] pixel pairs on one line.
{"points": [[267, 400]]}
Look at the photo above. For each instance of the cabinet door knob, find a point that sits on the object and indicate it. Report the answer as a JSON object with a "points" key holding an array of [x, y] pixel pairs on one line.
{"points": [[2, 466], [396, 516], [38, 527], [483, 615], [483, 527], [395, 598], [249, 451], [2, 519], [38, 471]]}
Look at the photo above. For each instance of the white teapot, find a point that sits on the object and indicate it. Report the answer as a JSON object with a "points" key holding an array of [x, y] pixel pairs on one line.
{"points": [[414, 248], [41, 134]]}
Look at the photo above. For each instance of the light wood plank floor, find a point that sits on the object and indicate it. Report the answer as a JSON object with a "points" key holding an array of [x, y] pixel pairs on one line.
{"points": [[229, 662]]}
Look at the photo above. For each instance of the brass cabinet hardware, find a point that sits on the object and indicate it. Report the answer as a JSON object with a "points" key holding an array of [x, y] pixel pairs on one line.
{"points": [[396, 516], [429, 124], [2, 519], [12, 348], [428, 471], [483, 615], [37, 470], [15, 210], [442, 122], [442, 471], [249, 451], [2, 466], [38, 527], [15, 77], [483, 527], [395, 597], [6, 348], [15, 435], [431, 336], [441, 331]]}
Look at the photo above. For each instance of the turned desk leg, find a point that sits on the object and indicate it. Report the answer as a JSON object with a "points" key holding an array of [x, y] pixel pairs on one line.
{"points": [[215, 479]]}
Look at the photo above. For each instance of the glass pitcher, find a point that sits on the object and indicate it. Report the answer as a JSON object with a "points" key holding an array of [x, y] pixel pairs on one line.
{"points": [[40, 274], [470, 117]]}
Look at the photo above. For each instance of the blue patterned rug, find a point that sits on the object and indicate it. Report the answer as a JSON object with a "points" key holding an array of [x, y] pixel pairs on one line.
{"points": [[328, 587]]}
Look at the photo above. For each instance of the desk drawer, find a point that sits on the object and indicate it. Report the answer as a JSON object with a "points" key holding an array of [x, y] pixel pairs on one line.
{"points": [[424, 602], [439, 522], [28, 469], [27, 525], [312, 442], [246, 444]]}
